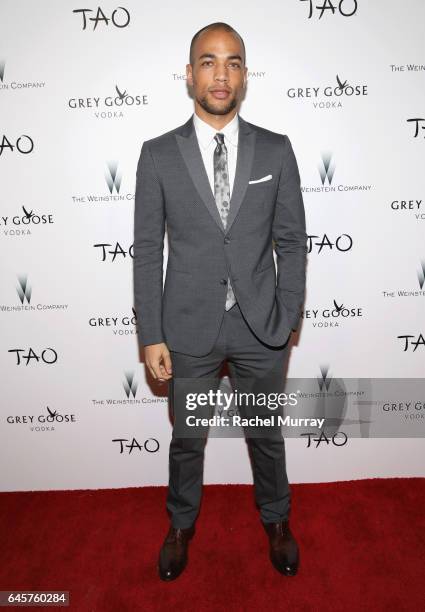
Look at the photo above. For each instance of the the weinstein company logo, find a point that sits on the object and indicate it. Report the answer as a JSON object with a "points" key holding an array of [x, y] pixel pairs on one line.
{"points": [[414, 207], [119, 18], [24, 289], [113, 179], [421, 274], [418, 125], [332, 316], [409, 293], [343, 8], [15, 84], [42, 422], [324, 396], [326, 170], [120, 325], [407, 67], [23, 144], [129, 388], [251, 74], [24, 292], [324, 380], [110, 106], [24, 223], [130, 385], [328, 96]]}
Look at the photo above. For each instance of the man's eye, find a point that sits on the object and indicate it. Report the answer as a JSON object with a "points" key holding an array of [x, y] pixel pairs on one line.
{"points": [[206, 62], [237, 65]]}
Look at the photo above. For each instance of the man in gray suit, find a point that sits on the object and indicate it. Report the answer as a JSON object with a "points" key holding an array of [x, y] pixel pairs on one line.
{"points": [[228, 192]]}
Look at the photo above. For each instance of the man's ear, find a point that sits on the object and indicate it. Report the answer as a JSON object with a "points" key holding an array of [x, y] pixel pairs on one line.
{"points": [[189, 75]]}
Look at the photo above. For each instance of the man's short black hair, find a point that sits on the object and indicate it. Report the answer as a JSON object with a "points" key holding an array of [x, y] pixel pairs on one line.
{"points": [[217, 25]]}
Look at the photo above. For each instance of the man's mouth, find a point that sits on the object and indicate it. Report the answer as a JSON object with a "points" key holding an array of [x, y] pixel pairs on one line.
{"points": [[220, 94]]}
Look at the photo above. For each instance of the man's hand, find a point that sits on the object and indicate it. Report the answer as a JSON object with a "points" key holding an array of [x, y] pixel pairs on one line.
{"points": [[158, 360]]}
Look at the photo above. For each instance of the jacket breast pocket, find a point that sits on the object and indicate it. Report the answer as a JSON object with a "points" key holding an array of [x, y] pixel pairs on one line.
{"points": [[262, 186], [259, 192]]}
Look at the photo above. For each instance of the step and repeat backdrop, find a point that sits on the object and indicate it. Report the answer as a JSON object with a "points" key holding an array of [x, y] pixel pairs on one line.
{"points": [[82, 85]]}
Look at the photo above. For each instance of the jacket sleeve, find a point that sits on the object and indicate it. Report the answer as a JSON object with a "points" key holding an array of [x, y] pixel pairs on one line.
{"points": [[290, 238], [148, 246]]}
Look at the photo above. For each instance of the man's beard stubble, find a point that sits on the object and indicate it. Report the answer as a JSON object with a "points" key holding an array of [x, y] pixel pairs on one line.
{"points": [[224, 110]]}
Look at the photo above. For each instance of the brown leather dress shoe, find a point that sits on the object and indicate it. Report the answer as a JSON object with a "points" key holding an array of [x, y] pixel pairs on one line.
{"points": [[173, 554], [284, 552]]}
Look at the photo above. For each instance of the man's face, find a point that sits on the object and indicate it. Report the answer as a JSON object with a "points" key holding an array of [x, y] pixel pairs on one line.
{"points": [[218, 75]]}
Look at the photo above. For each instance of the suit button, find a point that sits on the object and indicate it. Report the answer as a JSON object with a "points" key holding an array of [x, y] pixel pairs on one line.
{"points": [[226, 240], [223, 281]]}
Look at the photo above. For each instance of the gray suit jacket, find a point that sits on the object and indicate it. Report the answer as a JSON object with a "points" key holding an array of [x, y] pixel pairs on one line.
{"points": [[173, 191]]}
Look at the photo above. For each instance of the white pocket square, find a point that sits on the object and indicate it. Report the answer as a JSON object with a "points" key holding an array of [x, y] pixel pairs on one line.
{"points": [[261, 180]]}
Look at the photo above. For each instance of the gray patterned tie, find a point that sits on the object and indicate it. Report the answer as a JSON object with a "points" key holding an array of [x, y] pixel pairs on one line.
{"points": [[222, 196]]}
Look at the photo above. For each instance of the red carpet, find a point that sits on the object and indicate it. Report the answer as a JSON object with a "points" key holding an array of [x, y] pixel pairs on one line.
{"points": [[362, 547]]}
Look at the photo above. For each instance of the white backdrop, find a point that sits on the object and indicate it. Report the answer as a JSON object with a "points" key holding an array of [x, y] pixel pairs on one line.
{"points": [[77, 99]]}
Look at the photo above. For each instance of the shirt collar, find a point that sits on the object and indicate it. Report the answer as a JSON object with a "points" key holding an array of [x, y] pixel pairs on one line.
{"points": [[205, 132]]}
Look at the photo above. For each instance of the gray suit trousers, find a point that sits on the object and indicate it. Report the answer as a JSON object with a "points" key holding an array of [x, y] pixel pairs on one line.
{"points": [[246, 356]]}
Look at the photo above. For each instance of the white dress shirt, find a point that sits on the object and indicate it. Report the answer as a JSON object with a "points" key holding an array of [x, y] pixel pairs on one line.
{"points": [[205, 134]]}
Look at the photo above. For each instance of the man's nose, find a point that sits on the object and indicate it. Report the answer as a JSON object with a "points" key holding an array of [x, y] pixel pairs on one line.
{"points": [[221, 73]]}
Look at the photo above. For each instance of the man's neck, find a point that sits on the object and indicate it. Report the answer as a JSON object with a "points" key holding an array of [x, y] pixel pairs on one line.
{"points": [[218, 122]]}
